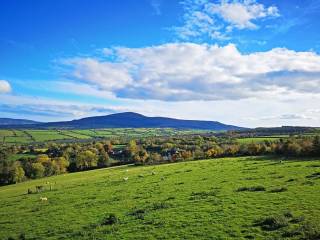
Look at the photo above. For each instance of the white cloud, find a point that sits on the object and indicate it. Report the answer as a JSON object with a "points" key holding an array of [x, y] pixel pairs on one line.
{"points": [[109, 75], [156, 6], [241, 14], [82, 89], [188, 71], [203, 18], [47, 109], [4, 86]]}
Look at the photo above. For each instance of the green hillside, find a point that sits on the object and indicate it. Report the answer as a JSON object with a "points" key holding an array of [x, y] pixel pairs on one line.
{"points": [[229, 198]]}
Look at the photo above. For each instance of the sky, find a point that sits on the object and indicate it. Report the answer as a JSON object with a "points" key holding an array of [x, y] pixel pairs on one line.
{"points": [[250, 63]]}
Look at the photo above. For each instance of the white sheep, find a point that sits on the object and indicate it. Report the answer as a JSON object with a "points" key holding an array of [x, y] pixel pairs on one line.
{"points": [[43, 199]]}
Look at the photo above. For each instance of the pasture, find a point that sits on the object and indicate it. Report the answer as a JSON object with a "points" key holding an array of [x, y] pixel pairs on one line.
{"points": [[25, 136], [227, 198]]}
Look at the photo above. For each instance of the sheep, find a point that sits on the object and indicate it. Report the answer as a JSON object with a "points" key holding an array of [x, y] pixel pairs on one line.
{"points": [[43, 199], [125, 178]]}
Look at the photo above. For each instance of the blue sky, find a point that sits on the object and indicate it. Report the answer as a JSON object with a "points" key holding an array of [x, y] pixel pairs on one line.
{"points": [[245, 62]]}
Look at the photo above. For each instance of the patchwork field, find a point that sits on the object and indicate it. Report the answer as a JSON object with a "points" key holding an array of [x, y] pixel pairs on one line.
{"points": [[17, 136], [229, 198]]}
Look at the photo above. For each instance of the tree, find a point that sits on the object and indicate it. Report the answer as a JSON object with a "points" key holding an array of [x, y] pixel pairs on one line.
{"points": [[316, 145], [132, 148], [141, 156], [103, 158], [155, 157], [214, 152], [43, 158], [5, 167], [17, 173], [86, 159], [108, 147], [254, 149], [37, 170], [62, 164], [186, 155]]}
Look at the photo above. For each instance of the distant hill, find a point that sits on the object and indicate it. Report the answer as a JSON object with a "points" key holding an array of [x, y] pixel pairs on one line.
{"points": [[12, 121], [135, 120]]}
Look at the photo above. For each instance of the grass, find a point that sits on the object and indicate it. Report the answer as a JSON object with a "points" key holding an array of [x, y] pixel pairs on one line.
{"points": [[169, 202], [29, 136], [17, 156]]}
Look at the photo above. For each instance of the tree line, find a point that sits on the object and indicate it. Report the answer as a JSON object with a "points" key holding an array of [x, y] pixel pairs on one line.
{"points": [[53, 159]]}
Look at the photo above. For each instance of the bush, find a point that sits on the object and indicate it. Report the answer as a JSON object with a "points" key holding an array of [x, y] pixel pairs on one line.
{"points": [[203, 194], [273, 223], [252, 189], [314, 175], [160, 205], [277, 190], [310, 231], [138, 213], [307, 231], [110, 219], [297, 219]]}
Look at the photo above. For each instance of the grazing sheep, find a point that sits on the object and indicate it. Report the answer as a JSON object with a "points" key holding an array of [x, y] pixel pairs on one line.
{"points": [[43, 199], [125, 178]]}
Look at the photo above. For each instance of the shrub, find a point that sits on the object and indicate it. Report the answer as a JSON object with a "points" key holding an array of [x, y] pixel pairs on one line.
{"points": [[310, 231], [307, 231], [297, 219], [277, 190], [314, 175], [110, 219], [291, 180], [288, 214], [160, 205], [252, 189], [203, 194], [273, 223], [138, 213], [22, 236]]}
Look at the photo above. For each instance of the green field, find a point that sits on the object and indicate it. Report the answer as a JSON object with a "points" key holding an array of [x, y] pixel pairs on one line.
{"points": [[229, 198], [35, 136]]}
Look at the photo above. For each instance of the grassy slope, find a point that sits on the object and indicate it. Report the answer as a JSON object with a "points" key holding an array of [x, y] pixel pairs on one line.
{"points": [[192, 200]]}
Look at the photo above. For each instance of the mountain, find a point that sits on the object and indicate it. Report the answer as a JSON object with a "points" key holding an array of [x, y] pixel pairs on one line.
{"points": [[12, 121], [135, 120]]}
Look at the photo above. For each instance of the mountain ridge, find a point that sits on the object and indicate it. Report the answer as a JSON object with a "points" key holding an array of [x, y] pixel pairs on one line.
{"points": [[133, 120], [16, 121]]}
